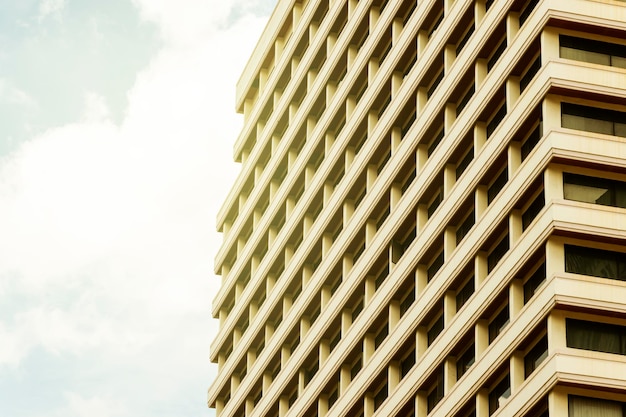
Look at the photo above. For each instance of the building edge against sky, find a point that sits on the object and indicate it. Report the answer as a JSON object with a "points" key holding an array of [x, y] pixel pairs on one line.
{"points": [[430, 217]]}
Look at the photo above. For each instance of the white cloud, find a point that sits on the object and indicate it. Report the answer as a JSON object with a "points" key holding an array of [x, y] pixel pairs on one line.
{"points": [[50, 7], [108, 230], [14, 95]]}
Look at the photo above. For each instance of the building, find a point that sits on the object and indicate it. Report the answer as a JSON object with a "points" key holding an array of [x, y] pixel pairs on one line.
{"points": [[431, 213]]}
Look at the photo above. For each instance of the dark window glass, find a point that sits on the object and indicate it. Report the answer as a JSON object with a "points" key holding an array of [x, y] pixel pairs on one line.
{"points": [[593, 119], [534, 282], [595, 262], [523, 15], [495, 121], [497, 253], [435, 203], [587, 407], [465, 227], [592, 51], [381, 335], [465, 361], [464, 163], [498, 323], [356, 310], [435, 142], [594, 190], [533, 209], [407, 363], [599, 337], [332, 398], [464, 293], [435, 84], [497, 185], [433, 268], [535, 356], [530, 74], [496, 55], [356, 367], [532, 141], [380, 396], [466, 98], [407, 301], [464, 40], [435, 394], [499, 395], [435, 329]]}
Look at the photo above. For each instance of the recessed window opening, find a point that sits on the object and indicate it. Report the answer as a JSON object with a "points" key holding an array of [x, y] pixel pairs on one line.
{"points": [[533, 210], [464, 228], [435, 202], [587, 406], [465, 99], [464, 162], [534, 282], [465, 292], [530, 73], [495, 120], [532, 140], [380, 395], [599, 337], [592, 51], [497, 53], [497, 185], [594, 190], [498, 323], [465, 361], [593, 119], [381, 335], [497, 253], [435, 392], [466, 37], [595, 262], [535, 356], [526, 11], [407, 301], [499, 394], [407, 362], [433, 86], [435, 265], [435, 329], [435, 141]]}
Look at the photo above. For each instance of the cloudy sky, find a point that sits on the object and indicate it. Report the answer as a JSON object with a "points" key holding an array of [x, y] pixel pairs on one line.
{"points": [[116, 129]]}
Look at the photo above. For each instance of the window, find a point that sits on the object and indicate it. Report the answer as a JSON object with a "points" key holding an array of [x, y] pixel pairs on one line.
{"points": [[534, 282], [465, 227], [531, 141], [434, 266], [435, 203], [599, 337], [525, 12], [356, 366], [464, 293], [595, 262], [407, 362], [533, 210], [585, 407], [497, 253], [435, 329], [535, 356], [435, 142], [435, 391], [499, 394], [592, 51], [435, 83], [380, 396], [498, 323], [466, 98], [407, 301], [464, 163], [530, 73], [381, 335], [497, 185], [496, 54], [496, 119], [594, 190], [593, 119], [465, 361]]}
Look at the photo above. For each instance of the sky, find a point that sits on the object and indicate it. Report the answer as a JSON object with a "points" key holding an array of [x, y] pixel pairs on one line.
{"points": [[117, 123]]}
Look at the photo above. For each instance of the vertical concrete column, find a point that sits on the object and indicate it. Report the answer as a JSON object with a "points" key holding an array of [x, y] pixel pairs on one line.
{"points": [[219, 406], [313, 27], [421, 404], [293, 109], [551, 112], [344, 378], [449, 374], [449, 178], [556, 331], [395, 194], [515, 227], [394, 314], [421, 217], [239, 287], [249, 406], [269, 332], [263, 73], [393, 375], [371, 174], [421, 99], [307, 273], [349, 157], [553, 183], [350, 105], [370, 289], [396, 139], [252, 310], [301, 381], [372, 69], [421, 342], [557, 402], [480, 268], [285, 354], [482, 403], [516, 298], [512, 92], [283, 406], [223, 315], [368, 405], [327, 241], [331, 40], [324, 351], [289, 251], [353, 50], [329, 140], [368, 347], [449, 55], [449, 307], [352, 5], [516, 364], [370, 231], [322, 405], [287, 303], [325, 295], [305, 325], [307, 223], [480, 137], [221, 360], [347, 263], [549, 45], [421, 278], [267, 381], [480, 201], [422, 41], [481, 337], [348, 210], [555, 255], [512, 25], [234, 382], [480, 72]]}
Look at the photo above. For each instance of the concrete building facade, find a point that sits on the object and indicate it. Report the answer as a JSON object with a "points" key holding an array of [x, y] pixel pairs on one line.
{"points": [[430, 218]]}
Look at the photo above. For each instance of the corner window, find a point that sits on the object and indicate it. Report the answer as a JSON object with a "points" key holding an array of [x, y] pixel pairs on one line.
{"points": [[595, 262], [599, 337], [594, 190]]}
